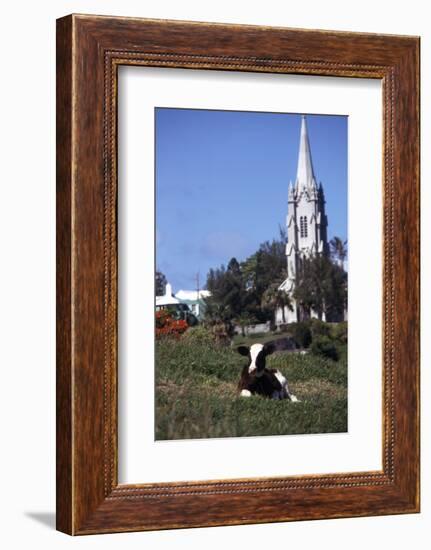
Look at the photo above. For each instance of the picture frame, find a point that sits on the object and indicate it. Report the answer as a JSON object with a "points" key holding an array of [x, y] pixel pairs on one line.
{"points": [[89, 51]]}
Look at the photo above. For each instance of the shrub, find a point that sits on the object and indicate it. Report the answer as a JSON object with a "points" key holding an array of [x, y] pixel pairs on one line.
{"points": [[339, 332], [221, 331], [324, 347], [319, 328], [301, 333], [166, 325], [201, 335]]}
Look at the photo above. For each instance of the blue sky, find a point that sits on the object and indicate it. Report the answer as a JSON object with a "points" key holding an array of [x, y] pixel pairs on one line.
{"points": [[222, 181]]}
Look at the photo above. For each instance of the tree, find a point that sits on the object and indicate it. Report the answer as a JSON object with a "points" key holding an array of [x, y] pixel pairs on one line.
{"points": [[274, 298], [338, 249], [244, 320], [336, 293], [270, 264], [309, 288], [216, 312], [237, 289], [249, 268], [267, 266], [161, 283], [227, 293], [321, 286]]}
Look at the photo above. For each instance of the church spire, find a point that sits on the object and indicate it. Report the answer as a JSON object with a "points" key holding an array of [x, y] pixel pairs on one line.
{"points": [[305, 174], [291, 192]]}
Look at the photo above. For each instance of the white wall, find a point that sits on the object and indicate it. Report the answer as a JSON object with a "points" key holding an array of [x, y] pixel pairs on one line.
{"points": [[27, 314]]}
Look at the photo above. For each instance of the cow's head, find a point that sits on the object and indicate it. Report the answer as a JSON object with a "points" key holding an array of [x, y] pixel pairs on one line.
{"points": [[257, 356]]}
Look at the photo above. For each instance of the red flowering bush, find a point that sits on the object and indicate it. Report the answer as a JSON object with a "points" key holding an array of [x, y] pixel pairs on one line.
{"points": [[166, 325]]}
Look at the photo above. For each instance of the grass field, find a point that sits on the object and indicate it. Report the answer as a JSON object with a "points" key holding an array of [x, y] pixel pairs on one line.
{"points": [[196, 393], [251, 339]]}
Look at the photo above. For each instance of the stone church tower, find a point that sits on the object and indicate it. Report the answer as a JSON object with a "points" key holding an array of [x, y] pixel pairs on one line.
{"points": [[306, 221]]}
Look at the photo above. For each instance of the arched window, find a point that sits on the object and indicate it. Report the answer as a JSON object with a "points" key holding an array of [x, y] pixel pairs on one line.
{"points": [[303, 228]]}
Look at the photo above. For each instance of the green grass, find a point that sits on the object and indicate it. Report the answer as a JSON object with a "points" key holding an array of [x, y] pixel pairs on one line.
{"points": [[196, 394], [260, 337]]}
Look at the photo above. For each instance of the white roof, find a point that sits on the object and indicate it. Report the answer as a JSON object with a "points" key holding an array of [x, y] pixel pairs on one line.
{"points": [[192, 294], [168, 298]]}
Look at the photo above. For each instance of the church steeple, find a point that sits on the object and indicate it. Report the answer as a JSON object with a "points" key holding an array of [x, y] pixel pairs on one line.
{"points": [[291, 192], [306, 224], [305, 174]]}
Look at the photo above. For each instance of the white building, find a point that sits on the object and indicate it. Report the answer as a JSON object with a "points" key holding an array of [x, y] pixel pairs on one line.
{"points": [[192, 300], [306, 222], [168, 298], [195, 300]]}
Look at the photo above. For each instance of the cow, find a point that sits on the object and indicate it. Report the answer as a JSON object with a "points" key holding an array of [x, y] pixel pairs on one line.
{"points": [[256, 379]]}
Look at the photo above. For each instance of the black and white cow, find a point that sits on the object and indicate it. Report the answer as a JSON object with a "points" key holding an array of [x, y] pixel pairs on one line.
{"points": [[256, 379]]}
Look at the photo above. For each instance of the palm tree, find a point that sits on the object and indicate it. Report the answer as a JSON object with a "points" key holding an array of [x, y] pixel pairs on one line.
{"points": [[338, 250], [244, 320], [218, 314], [274, 298]]}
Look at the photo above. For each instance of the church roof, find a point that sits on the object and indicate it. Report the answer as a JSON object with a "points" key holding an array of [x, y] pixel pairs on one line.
{"points": [[305, 173]]}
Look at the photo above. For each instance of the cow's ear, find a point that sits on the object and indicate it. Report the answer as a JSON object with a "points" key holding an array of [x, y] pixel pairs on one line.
{"points": [[243, 350], [269, 348]]}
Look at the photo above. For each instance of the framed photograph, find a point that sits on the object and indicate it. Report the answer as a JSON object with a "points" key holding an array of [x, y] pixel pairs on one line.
{"points": [[237, 274]]}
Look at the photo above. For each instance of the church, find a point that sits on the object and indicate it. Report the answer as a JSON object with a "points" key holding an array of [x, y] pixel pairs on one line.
{"points": [[306, 223]]}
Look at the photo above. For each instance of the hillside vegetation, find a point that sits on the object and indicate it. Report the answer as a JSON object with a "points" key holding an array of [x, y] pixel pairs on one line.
{"points": [[196, 381]]}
